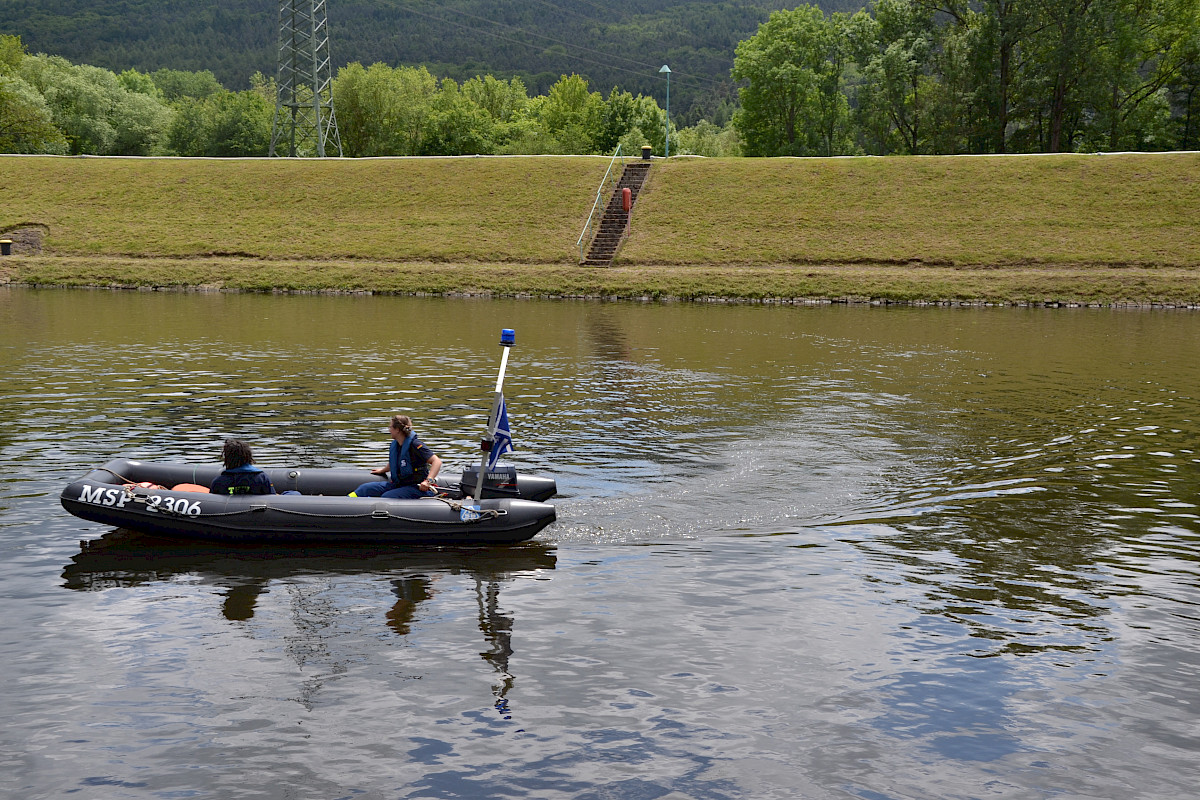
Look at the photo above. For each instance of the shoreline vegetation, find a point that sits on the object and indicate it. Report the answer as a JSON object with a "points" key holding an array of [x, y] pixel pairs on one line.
{"points": [[1065, 230]]}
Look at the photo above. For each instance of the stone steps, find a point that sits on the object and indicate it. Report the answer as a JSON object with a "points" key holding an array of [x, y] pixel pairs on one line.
{"points": [[614, 223]]}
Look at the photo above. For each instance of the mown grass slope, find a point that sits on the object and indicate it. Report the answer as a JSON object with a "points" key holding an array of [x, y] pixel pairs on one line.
{"points": [[1129, 209], [1086, 229], [437, 209]]}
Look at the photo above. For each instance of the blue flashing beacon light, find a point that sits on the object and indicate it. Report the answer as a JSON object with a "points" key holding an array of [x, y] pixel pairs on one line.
{"points": [[508, 337]]}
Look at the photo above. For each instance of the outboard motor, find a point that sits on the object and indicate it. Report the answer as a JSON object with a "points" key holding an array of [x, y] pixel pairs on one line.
{"points": [[498, 482]]}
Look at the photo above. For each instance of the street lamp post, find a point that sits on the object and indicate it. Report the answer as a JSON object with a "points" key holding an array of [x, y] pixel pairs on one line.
{"points": [[667, 148]]}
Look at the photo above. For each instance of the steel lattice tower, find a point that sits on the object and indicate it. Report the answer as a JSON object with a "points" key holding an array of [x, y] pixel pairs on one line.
{"points": [[304, 120]]}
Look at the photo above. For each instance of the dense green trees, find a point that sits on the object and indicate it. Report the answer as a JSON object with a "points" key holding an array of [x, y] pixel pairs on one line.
{"points": [[48, 105], [615, 42], [900, 77], [383, 110], [992, 76], [223, 124], [93, 110], [26, 124]]}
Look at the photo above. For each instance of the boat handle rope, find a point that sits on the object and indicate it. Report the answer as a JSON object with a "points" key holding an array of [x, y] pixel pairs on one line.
{"points": [[483, 513], [478, 515], [376, 513], [487, 513]]}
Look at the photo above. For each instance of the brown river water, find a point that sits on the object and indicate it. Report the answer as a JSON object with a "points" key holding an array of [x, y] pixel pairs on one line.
{"points": [[829, 552]]}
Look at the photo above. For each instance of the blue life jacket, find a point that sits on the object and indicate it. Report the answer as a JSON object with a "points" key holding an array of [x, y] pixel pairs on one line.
{"points": [[401, 471]]}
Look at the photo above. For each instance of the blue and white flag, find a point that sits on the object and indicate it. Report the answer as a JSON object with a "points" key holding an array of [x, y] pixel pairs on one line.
{"points": [[502, 441]]}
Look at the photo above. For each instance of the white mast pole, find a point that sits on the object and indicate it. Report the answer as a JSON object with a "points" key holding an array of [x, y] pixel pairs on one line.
{"points": [[508, 338]]}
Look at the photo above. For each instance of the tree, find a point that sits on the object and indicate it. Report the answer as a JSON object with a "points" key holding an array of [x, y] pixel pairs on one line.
{"points": [[1185, 95], [571, 114], [503, 102], [621, 114], [1146, 46], [76, 102], [792, 103], [833, 107], [95, 113], [241, 124], [188, 134], [507, 104], [779, 63], [526, 135], [410, 116], [895, 51], [381, 110], [228, 124], [1064, 56], [263, 86], [139, 82], [12, 53], [618, 117], [651, 118], [175, 84], [457, 126], [140, 124], [955, 120], [706, 139], [997, 51], [633, 141], [365, 99], [26, 124]]}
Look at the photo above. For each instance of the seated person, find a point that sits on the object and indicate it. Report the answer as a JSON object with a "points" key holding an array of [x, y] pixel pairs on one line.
{"points": [[411, 466], [240, 475]]}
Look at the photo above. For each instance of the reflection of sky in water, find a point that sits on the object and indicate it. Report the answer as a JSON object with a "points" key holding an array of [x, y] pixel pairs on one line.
{"points": [[959, 710]]}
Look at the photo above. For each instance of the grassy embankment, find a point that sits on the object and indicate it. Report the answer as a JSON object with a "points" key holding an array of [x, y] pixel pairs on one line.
{"points": [[1072, 229]]}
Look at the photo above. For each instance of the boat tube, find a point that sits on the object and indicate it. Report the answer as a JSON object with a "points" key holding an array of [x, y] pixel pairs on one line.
{"points": [[511, 509]]}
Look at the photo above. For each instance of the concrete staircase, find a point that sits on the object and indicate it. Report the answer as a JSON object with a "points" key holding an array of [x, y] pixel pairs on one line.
{"points": [[613, 224]]}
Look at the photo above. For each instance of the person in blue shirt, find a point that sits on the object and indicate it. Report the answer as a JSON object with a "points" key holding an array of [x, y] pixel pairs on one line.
{"points": [[411, 466], [240, 475]]}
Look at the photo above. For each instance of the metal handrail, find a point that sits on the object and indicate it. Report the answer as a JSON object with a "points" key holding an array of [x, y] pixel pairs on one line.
{"points": [[599, 192]]}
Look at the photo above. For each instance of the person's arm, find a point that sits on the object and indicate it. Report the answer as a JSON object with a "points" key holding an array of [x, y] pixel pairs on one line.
{"points": [[435, 466]]}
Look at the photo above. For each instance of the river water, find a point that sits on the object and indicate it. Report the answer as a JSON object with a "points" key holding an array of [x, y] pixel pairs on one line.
{"points": [[818, 552]]}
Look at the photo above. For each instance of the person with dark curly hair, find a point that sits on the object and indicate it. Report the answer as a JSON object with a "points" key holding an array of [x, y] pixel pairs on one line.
{"points": [[411, 466], [240, 476]]}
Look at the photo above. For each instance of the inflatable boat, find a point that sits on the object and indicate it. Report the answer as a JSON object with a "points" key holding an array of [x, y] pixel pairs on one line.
{"points": [[152, 497]]}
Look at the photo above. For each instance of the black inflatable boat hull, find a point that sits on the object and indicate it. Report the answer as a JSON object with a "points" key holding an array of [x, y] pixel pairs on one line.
{"points": [[322, 513]]}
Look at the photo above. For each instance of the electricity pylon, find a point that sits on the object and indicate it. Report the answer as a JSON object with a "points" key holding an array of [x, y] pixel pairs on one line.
{"points": [[304, 120]]}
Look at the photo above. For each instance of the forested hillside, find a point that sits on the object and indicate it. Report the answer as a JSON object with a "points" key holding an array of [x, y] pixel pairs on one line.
{"points": [[615, 43]]}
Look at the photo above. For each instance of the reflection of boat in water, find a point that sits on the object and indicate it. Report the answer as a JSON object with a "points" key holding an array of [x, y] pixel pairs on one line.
{"points": [[123, 558], [243, 573], [317, 509]]}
